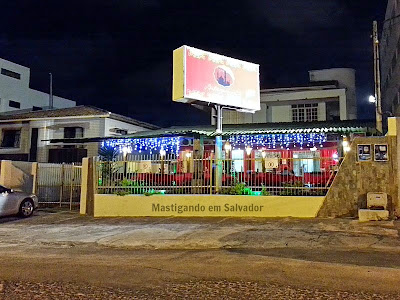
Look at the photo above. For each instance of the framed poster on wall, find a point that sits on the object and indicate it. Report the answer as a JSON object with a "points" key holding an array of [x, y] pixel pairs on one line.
{"points": [[381, 152], [364, 153]]}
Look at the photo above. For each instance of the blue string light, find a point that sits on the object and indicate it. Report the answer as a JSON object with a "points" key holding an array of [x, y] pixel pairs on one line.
{"points": [[151, 145], [279, 140]]}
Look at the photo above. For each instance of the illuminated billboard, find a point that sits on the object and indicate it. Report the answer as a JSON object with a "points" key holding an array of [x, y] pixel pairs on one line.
{"points": [[204, 77]]}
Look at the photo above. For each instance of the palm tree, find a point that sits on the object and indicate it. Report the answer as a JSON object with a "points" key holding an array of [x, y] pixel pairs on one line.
{"points": [[108, 153]]}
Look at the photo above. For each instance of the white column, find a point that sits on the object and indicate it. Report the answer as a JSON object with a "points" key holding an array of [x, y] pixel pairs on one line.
{"points": [[343, 107]]}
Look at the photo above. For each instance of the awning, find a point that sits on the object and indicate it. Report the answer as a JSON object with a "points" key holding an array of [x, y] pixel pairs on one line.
{"points": [[339, 127]]}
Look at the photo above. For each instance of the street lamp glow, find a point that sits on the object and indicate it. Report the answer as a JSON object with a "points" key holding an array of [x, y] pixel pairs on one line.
{"points": [[228, 147], [346, 146], [126, 150], [372, 99], [248, 150], [162, 152]]}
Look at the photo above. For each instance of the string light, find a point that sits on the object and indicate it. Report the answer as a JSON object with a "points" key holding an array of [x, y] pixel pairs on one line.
{"points": [[151, 145], [279, 140], [267, 141]]}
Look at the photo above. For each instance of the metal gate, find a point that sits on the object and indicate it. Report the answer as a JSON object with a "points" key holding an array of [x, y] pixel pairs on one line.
{"points": [[59, 184]]}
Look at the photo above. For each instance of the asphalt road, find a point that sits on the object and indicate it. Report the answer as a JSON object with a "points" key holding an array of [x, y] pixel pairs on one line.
{"points": [[65, 256]]}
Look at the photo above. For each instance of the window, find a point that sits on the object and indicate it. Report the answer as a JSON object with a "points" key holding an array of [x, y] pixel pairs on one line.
{"points": [[258, 161], [73, 132], [306, 162], [237, 160], [305, 112], [11, 138], [14, 104], [10, 73], [35, 108]]}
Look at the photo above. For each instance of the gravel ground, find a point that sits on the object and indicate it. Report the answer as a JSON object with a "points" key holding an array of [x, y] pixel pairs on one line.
{"points": [[189, 290]]}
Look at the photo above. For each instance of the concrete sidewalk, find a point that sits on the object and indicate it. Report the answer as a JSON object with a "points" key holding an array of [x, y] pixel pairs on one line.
{"points": [[148, 253], [67, 229]]}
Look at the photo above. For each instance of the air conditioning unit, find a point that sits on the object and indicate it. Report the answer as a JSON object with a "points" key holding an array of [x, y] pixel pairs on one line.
{"points": [[119, 131], [377, 200]]}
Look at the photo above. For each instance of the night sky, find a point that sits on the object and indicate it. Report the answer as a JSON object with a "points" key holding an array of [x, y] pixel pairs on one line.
{"points": [[117, 55]]}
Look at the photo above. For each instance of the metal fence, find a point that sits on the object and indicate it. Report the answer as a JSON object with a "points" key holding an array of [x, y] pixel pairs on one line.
{"points": [[152, 174], [59, 184]]}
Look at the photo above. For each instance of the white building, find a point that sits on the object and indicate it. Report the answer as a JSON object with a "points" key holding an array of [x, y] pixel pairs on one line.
{"points": [[25, 135], [330, 96], [15, 93], [390, 58]]}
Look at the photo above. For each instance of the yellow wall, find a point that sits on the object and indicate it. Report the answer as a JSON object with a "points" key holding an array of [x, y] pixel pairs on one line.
{"points": [[178, 74], [268, 206], [392, 126], [84, 186]]}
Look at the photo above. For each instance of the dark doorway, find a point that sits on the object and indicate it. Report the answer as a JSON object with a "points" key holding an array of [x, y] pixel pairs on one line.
{"points": [[34, 142]]}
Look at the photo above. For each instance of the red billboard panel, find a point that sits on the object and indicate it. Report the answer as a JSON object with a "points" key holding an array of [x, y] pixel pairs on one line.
{"points": [[205, 77]]}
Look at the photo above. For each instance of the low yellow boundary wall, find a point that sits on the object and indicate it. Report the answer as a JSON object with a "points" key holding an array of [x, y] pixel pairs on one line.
{"points": [[206, 206]]}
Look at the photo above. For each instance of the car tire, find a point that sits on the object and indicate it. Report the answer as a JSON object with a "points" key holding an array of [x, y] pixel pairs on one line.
{"points": [[26, 208]]}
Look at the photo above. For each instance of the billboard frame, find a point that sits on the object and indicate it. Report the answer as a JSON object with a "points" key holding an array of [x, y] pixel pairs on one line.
{"points": [[180, 75]]}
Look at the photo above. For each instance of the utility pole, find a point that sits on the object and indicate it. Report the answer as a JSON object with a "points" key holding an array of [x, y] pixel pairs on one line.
{"points": [[51, 104], [377, 78]]}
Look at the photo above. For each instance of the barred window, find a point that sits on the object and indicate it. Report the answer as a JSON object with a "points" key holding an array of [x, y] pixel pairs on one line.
{"points": [[305, 112], [10, 138], [73, 132]]}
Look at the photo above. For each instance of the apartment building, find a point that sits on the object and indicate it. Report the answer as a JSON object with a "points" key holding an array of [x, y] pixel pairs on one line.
{"points": [[16, 94], [390, 59], [26, 136], [329, 96]]}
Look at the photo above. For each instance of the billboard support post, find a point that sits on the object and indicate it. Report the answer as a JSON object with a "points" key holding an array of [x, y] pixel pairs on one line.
{"points": [[206, 78], [218, 150]]}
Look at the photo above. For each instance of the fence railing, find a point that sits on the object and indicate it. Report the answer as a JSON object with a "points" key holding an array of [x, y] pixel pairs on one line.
{"points": [[59, 184], [152, 174]]}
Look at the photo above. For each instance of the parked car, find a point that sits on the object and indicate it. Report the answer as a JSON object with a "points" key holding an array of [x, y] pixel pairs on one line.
{"points": [[13, 203]]}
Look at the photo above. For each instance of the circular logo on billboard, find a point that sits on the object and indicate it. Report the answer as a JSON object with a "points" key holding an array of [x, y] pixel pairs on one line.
{"points": [[224, 76]]}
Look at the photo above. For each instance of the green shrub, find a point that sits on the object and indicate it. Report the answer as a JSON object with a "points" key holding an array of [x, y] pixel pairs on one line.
{"points": [[264, 191], [298, 189], [125, 182], [121, 193], [239, 189]]}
